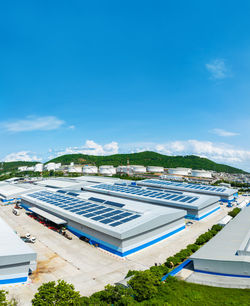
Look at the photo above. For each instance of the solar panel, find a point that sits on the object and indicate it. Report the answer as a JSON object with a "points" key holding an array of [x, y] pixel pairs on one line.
{"points": [[176, 196], [114, 204], [86, 209], [96, 200], [184, 185]]}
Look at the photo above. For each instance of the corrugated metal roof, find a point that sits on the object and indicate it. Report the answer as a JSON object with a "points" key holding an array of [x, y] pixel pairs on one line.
{"points": [[48, 216]]}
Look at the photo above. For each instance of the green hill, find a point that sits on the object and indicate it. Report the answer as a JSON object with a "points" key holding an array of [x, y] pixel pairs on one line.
{"points": [[12, 166], [147, 158]]}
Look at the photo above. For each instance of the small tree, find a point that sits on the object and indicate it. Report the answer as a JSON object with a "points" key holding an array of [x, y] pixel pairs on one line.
{"points": [[113, 295], [145, 285], [59, 294]]}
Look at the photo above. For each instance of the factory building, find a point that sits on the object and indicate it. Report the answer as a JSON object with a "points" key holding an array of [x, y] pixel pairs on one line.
{"points": [[119, 226], [17, 259], [197, 207], [228, 253], [225, 194]]}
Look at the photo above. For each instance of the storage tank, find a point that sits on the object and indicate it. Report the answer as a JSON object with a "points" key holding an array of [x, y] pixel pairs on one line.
{"points": [[75, 169], [124, 169], [50, 166], [137, 169], [38, 168], [201, 173], [89, 169], [179, 171], [107, 170], [155, 169]]}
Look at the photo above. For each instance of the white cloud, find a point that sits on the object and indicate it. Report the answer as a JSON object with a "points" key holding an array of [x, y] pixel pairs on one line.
{"points": [[21, 156], [92, 148], [223, 133], [31, 123], [219, 152], [218, 69]]}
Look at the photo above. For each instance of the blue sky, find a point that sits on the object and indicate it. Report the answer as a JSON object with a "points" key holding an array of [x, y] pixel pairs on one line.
{"points": [[104, 77]]}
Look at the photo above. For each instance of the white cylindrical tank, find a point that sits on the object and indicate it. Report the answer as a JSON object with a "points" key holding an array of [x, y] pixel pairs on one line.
{"points": [[155, 169], [38, 168], [123, 169], [138, 169], [179, 171], [75, 169], [51, 166], [89, 169], [58, 165], [201, 173], [107, 170]]}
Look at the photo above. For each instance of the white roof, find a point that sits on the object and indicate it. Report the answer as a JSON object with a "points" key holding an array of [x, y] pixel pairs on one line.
{"points": [[11, 245], [151, 216], [230, 242]]}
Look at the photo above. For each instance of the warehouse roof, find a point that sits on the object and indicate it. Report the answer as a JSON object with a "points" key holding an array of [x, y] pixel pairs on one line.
{"points": [[206, 189], [12, 246], [117, 217], [231, 243], [8, 190], [176, 199]]}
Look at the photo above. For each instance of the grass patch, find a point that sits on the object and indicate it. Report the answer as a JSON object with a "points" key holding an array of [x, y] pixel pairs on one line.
{"points": [[176, 292]]}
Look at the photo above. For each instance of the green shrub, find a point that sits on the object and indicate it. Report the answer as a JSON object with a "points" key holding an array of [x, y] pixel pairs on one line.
{"points": [[234, 212], [131, 272], [193, 247], [217, 227]]}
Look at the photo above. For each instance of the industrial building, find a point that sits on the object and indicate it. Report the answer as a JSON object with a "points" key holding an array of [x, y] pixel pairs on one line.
{"points": [[197, 207], [119, 226], [225, 194], [17, 259], [228, 253]]}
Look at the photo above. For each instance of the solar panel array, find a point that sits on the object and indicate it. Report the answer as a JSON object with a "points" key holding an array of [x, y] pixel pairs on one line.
{"points": [[192, 186], [102, 211], [146, 192]]}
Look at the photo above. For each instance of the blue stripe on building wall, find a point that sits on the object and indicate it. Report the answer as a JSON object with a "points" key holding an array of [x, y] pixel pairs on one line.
{"points": [[193, 217], [114, 250], [222, 274], [13, 280]]}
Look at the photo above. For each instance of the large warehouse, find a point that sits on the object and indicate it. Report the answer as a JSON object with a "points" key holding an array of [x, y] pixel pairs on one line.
{"points": [[16, 258], [225, 194], [228, 253], [119, 226], [196, 206]]}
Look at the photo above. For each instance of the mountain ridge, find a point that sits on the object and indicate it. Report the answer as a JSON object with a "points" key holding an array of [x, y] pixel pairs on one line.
{"points": [[148, 158]]}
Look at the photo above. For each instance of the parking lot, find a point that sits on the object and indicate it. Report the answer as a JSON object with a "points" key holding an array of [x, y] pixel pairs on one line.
{"points": [[85, 266]]}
